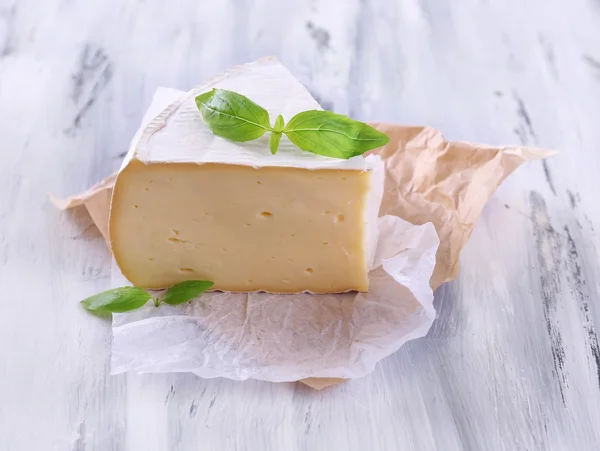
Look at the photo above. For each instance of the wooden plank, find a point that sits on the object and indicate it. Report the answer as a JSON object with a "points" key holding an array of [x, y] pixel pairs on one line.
{"points": [[513, 359]]}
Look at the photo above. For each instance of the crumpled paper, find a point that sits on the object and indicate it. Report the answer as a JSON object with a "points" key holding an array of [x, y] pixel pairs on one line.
{"points": [[323, 339], [429, 179]]}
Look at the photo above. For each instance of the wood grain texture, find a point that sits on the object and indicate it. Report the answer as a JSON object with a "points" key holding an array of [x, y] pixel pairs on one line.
{"points": [[513, 359]]}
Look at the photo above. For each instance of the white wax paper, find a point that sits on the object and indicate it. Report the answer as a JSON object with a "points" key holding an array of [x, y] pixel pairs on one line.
{"points": [[289, 337]]}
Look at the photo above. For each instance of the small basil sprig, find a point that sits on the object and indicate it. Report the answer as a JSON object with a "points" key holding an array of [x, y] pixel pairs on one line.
{"points": [[237, 118], [125, 299]]}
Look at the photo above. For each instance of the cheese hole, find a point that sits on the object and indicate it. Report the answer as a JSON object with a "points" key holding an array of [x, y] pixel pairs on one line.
{"points": [[325, 243], [186, 270], [265, 214], [293, 234], [146, 189], [339, 218], [224, 250], [308, 270], [176, 232], [150, 259], [136, 206], [258, 182], [177, 240], [247, 225], [343, 178], [326, 212]]}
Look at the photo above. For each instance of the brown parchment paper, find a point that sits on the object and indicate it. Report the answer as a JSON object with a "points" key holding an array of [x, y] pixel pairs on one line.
{"points": [[428, 179]]}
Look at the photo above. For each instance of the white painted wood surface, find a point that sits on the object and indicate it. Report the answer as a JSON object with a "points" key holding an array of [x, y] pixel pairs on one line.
{"points": [[513, 359]]}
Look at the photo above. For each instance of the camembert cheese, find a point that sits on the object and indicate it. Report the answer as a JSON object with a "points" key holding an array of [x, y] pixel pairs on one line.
{"points": [[190, 205]]}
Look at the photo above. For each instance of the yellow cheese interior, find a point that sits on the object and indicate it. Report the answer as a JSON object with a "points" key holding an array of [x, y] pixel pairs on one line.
{"points": [[281, 230]]}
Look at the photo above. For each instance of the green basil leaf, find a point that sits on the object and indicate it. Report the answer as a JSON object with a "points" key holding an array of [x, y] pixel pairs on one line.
{"points": [[185, 291], [233, 116], [117, 300], [332, 135], [275, 137], [274, 140], [278, 127]]}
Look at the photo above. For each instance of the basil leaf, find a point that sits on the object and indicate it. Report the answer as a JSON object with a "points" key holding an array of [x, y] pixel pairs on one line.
{"points": [[185, 291], [117, 300], [278, 127], [233, 116], [275, 137], [274, 140], [333, 135], [237, 118]]}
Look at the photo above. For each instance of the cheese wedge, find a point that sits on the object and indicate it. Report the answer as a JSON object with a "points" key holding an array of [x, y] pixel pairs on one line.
{"points": [[190, 205]]}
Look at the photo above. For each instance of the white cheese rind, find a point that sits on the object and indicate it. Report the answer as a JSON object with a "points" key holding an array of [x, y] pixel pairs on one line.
{"points": [[374, 198], [178, 133]]}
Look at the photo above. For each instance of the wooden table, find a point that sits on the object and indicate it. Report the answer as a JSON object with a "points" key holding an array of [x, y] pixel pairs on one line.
{"points": [[513, 360]]}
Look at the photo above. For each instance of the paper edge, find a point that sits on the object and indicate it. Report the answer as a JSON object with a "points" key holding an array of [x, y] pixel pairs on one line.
{"points": [[80, 199]]}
